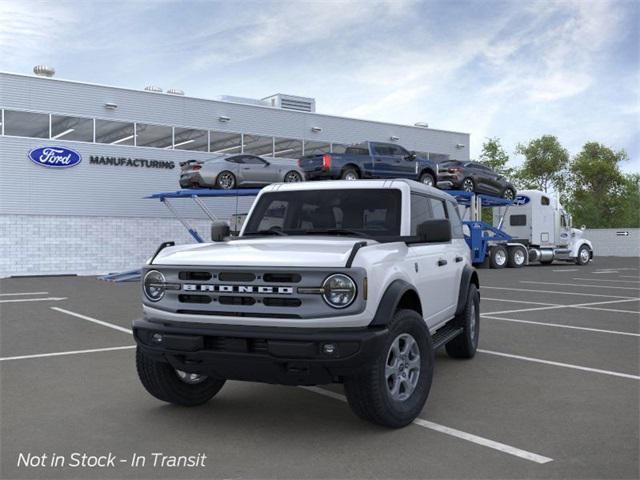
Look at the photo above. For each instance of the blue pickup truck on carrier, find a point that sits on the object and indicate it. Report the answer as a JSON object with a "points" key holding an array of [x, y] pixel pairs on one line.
{"points": [[370, 160]]}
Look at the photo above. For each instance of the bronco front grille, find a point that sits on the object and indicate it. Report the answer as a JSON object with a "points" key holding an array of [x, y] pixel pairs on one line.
{"points": [[266, 292]]}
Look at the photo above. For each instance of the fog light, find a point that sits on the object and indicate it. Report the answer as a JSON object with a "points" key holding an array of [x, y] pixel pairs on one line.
{"points": [[329, 348], [156, 338]]}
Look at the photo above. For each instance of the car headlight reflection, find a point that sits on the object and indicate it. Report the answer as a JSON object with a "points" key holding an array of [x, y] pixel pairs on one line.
{"points": [[339, 290], [154, 285]]}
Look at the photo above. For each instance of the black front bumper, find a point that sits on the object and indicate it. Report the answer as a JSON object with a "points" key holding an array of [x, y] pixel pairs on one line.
{"points": [[260, 354]]}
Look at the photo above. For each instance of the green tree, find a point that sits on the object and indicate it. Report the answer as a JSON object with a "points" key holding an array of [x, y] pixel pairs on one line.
{"points": [[545, 163], [600, 194], [494, 156]]}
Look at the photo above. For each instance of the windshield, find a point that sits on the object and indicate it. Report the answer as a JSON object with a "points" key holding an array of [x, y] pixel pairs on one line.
{"points": [[353, 212]]}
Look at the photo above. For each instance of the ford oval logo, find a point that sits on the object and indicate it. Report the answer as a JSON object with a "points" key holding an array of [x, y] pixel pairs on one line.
{"points": [[55, 157], [521, 200]]}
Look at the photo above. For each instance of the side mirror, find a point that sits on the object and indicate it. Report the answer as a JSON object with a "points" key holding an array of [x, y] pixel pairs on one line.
{"points": [[434, 231], [583, 227], [219, 231], [411, 156]]}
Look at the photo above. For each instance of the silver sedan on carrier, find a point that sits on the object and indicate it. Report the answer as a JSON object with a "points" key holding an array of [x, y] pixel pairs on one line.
{"points": [[234, 171]]}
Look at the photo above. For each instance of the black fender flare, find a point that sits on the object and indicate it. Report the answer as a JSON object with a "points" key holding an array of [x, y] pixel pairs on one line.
{"points": [[469, 276], [429, 170], [389, 302]]}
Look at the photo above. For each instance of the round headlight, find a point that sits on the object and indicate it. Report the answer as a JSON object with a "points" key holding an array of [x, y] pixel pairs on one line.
{"points": [[339, 290], [153, 285]]}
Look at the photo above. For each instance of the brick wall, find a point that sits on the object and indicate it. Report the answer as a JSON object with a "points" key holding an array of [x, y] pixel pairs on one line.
{"points": [[40, 244]]}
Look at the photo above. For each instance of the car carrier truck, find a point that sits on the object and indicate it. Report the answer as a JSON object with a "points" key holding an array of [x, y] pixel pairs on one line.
{"points": [[538, 222]]}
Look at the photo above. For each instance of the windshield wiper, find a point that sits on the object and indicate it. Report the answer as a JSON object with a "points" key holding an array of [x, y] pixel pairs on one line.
{"points": [[336, 231], [267, 232]]}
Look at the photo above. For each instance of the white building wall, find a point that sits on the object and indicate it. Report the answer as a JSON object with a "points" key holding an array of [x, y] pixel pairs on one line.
{"points": [[613, 241]]}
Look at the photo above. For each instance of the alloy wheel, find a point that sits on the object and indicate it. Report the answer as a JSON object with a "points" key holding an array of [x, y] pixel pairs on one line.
{"points": [[292, 177], [467, 185], [402, 367]]}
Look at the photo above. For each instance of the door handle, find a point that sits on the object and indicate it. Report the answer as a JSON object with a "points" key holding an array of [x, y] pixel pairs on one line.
{"points": [[459, 259], [246, 168], [442, 262]]}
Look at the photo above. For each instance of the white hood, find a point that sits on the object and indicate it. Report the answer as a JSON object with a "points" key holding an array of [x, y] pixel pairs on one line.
{"points": [[272, 251]]}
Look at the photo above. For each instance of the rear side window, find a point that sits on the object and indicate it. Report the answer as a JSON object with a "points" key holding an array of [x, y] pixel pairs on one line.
{"points": [[420, 211], [456, 223], [518, 220], [356, 151]]}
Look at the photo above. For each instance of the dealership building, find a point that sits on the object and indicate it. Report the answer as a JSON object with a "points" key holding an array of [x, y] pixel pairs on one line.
{"points": [[92, 217]]}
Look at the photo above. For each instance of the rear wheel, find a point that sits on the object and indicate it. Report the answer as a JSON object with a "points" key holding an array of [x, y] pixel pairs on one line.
{"points": [[427, 179], [226, 180], [517, 257], [175, 386], [584, 255], [393, 388], [508, 194], [466, 344], [349, 173], [498, 257], [468, 185], [292, 177]]}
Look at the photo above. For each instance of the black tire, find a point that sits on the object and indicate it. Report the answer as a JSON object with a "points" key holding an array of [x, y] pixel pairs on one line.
{"points": [[509, 194], [162, 381], [468, 185], [428, 179], [584, 255], [350, 173], [368, 392], [517, 257], [222, 176], [292, 177], [466, 344], [498, 256]]}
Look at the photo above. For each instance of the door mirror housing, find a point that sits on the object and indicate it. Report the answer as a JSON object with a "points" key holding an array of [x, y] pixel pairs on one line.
{"points": [[219, 231], [411, 156], [434, 231]]}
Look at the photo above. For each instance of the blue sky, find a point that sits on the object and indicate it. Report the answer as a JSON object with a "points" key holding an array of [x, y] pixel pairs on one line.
{"points": [[513, 70]]}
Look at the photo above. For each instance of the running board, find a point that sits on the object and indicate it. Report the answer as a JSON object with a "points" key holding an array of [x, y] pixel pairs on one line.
{"points": [[445, 335]]}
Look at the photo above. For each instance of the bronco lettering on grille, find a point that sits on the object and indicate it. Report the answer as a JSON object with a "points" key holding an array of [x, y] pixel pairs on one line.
{"points": [[264, 289]]}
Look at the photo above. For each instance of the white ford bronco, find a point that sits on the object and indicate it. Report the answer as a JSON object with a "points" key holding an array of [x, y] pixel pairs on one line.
{"points": [[353, 282]]}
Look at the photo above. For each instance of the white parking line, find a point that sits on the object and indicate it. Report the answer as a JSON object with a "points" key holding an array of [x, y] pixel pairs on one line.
{"points": [[606, 280], [71, 352], [533, 290], [560, 364], [23, 293], [47, 299], [469, 437], [572, 327], [588, 306], [93, 320], [628, 276], [517, 301], [580, 285]]}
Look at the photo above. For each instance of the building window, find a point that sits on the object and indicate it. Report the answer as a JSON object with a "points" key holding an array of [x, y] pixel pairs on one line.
{"points": [[190, 139], [26, 124], [287, 148], [258, 145], [223, 142], [71, 128], [157, 136], [314, 148], [114, 133]]}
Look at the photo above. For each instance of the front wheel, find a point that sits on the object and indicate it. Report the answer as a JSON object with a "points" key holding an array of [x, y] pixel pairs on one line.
{"points": [[175, 386], [584, 255], [393, 388], [427, 179], [292, 177]]}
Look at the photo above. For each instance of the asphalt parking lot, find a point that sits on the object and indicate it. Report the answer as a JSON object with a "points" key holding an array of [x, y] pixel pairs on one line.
{"points": [[552, 393]]}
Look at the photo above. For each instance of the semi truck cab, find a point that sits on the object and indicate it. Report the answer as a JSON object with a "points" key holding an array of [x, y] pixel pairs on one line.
{"points": [[538, 221]]}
